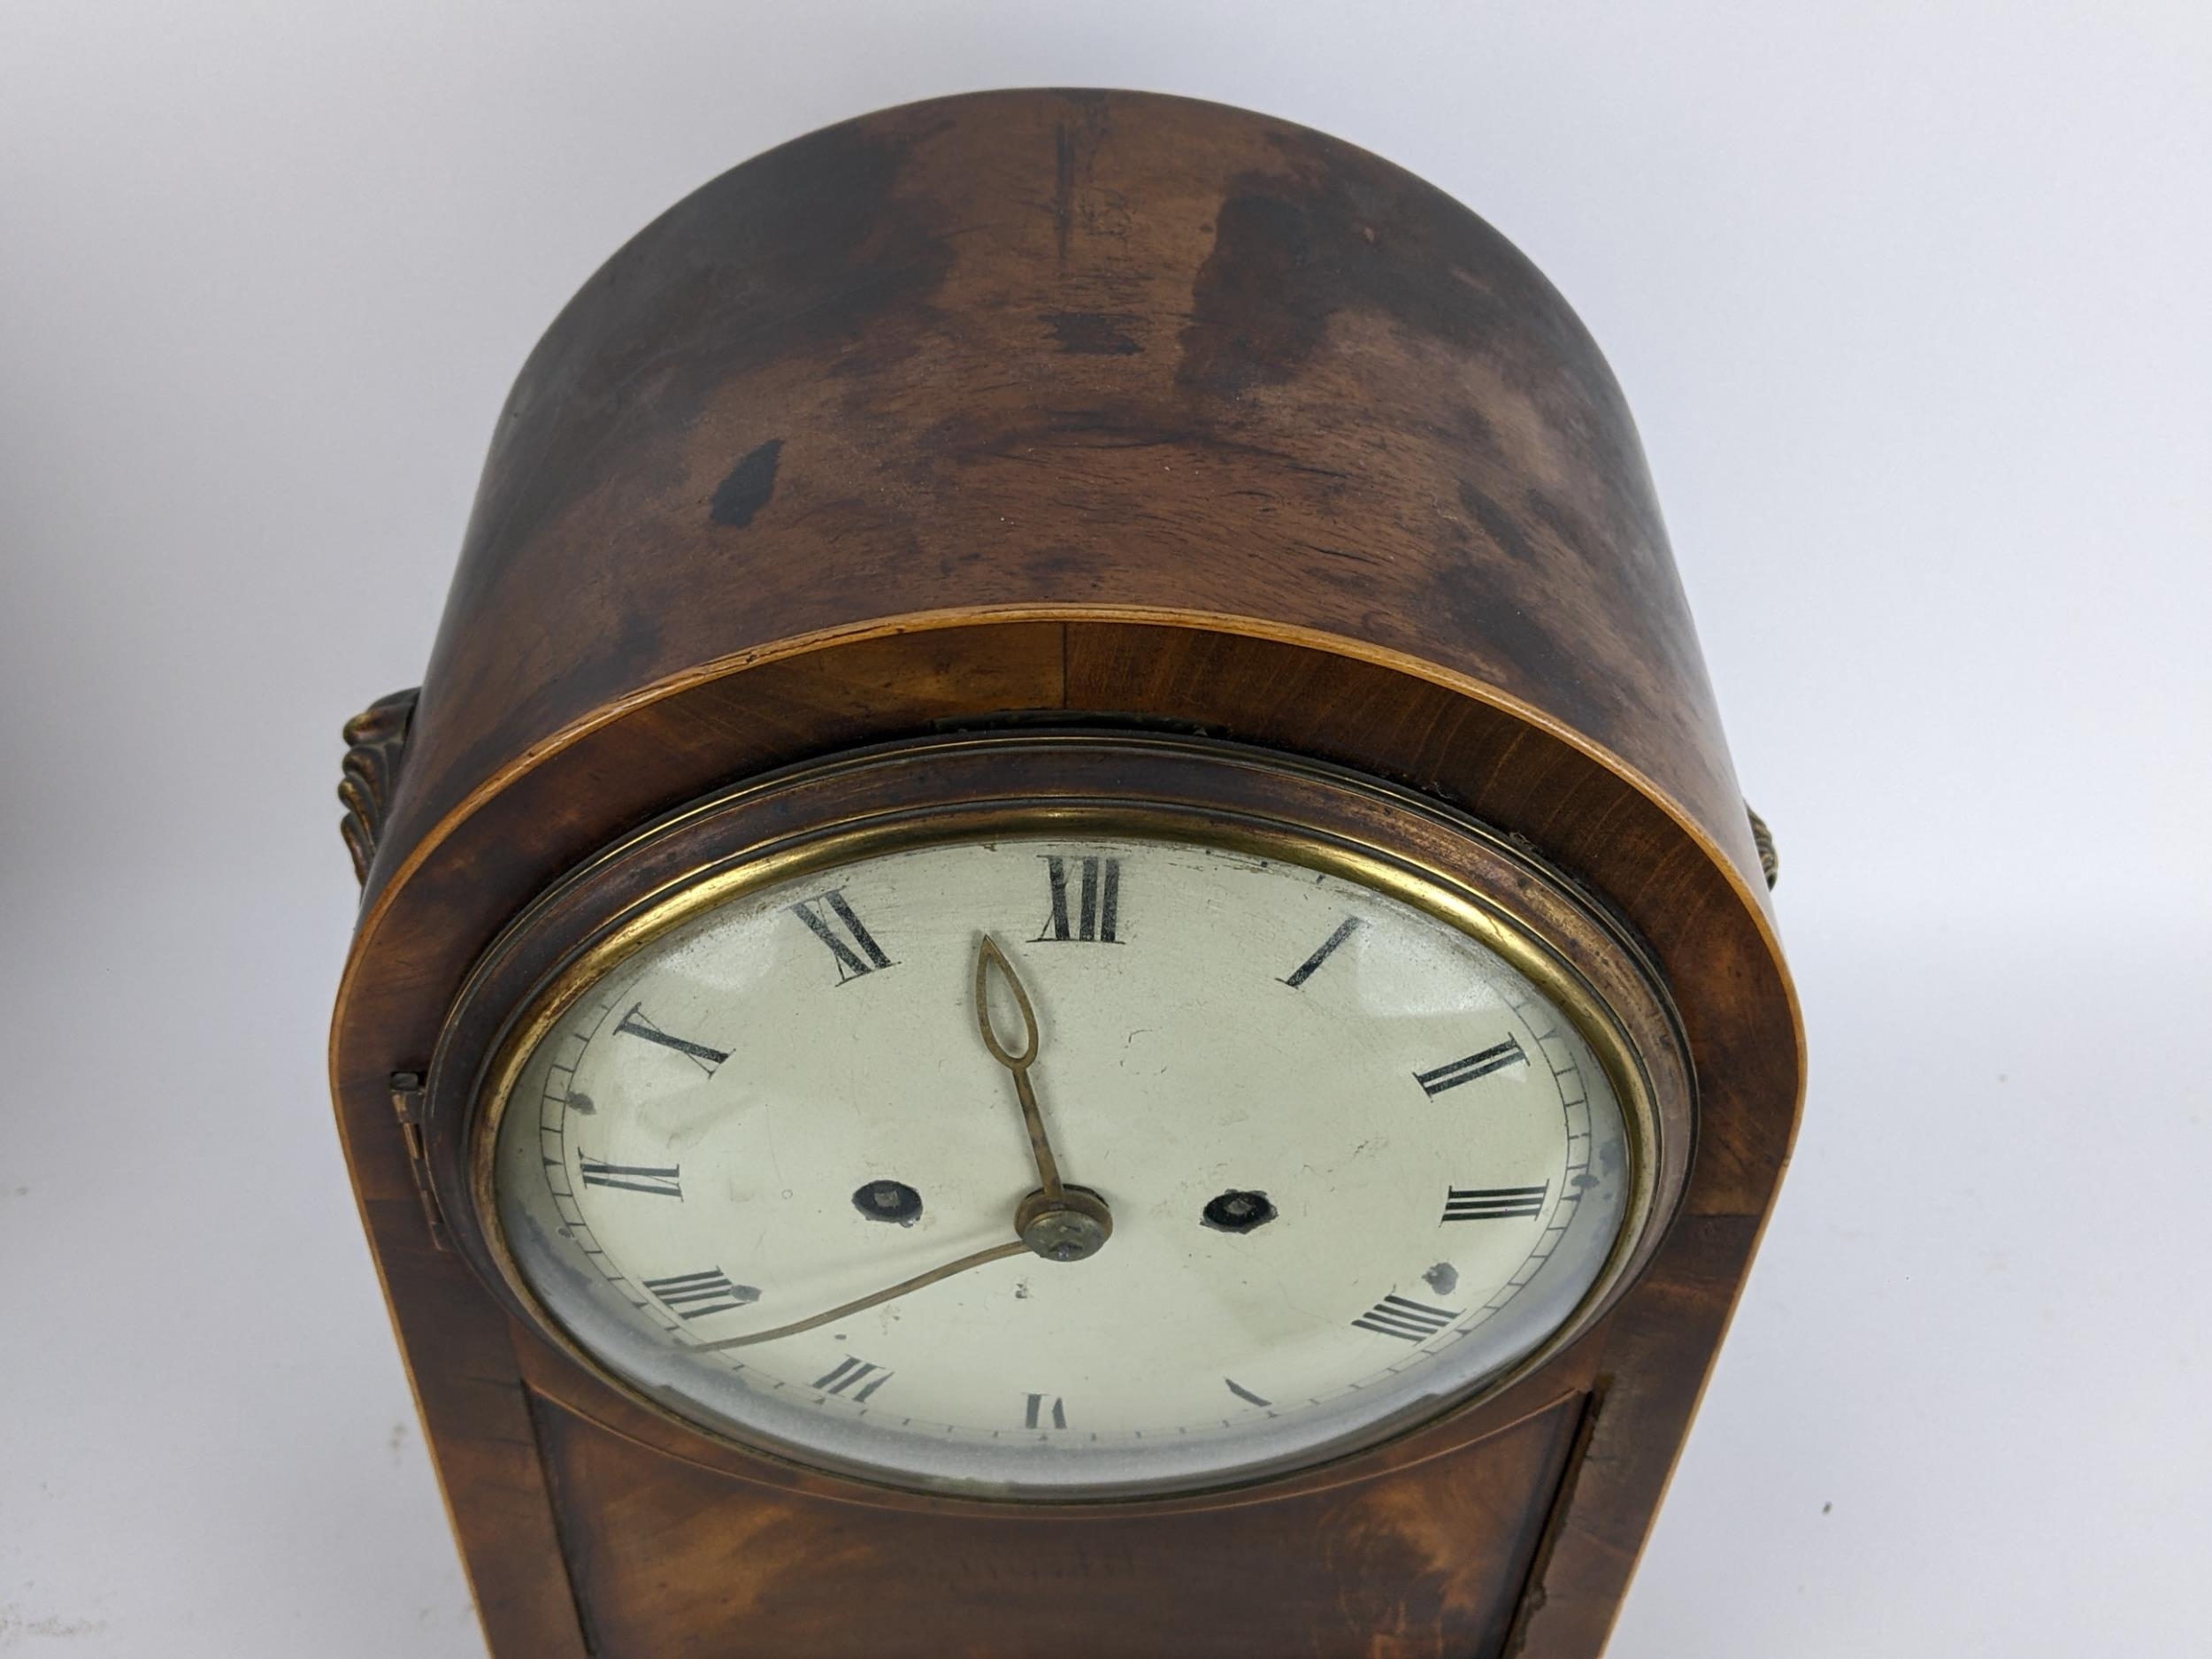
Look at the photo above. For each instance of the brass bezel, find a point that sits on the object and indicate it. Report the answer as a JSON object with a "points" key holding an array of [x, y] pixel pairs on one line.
{"points": [[1537, 920]]}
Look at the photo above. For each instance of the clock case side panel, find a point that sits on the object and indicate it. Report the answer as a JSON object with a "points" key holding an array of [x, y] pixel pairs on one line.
{"points": [[1045, 353], [411, 950], [1643, 1367]]}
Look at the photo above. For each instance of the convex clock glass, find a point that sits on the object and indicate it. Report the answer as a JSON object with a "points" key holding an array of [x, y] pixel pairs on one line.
{"points": [[1068, 1166]]}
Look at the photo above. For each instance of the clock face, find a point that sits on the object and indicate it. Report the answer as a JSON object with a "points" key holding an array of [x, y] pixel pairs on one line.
{"points": [[1325, 1161]]}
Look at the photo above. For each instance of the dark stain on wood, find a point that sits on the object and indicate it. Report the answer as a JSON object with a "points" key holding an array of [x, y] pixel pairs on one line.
{"points": [[1353, 347], [809, 258], [1260, 305], [748, 486], [1093, 334], [1497, 524]]}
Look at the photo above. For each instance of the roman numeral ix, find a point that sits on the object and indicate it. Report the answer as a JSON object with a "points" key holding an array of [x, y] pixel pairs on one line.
{"points": [[1413, 1321], [1494, 1203], [850, 943], [635, 1024], [695, 1295], [1494, 1058], [631, 1177], [1097, 903], [1039, 1416], [850, 1372]]}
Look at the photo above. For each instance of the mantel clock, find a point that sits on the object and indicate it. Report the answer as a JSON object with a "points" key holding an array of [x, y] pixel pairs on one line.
{"points": [[1060, 958]]}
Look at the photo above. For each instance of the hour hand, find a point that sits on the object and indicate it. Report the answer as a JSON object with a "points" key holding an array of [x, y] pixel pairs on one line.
{"points": [[989, 959], [1059, 1223]]}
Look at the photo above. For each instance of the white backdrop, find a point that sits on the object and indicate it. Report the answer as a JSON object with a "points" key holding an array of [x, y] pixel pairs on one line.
{"points": [[1910, 300]]}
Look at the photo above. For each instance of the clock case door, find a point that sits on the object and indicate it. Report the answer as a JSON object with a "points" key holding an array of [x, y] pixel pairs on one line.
{"points": [[1034, 405]]}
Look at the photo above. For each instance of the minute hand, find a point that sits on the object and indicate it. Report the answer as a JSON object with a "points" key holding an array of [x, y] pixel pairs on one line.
{"points": [[988, 956], [996, 1252]]}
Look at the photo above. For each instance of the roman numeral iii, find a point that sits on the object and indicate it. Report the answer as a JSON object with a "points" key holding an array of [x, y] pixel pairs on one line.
{"points": [[1494, 1203], [1467, 1069], [851, 946], [631, 1177], [855, 1378], [1097, 900], [695, 1295], [1410, 1321]]}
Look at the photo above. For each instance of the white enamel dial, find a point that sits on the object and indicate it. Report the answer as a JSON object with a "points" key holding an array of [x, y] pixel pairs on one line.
{"points": [[1355, 1161]]}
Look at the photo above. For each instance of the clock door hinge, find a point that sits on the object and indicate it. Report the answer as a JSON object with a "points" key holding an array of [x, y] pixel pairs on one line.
{"points": [[407, 1101]]}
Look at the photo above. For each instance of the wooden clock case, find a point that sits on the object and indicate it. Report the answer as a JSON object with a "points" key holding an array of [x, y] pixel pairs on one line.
{"points": [[1098, 411]]}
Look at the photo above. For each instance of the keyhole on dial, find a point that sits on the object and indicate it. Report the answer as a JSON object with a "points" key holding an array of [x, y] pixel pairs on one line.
{"points": [[1236, 1211], [888, 1200]]}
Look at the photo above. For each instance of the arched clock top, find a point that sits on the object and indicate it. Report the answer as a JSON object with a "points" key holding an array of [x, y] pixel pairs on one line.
{"points": [[1069, 356]]}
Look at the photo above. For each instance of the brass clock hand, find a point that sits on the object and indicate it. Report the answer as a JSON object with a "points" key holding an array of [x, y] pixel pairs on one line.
{"points": [[1059, 1222], [988, 956], [996, 1252]]}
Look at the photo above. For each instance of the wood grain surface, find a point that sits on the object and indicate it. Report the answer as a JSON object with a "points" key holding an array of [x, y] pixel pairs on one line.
{"points": [[1122, 408], [1089, 352]]}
